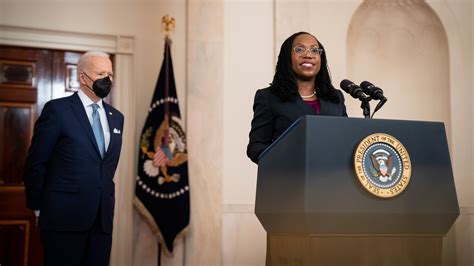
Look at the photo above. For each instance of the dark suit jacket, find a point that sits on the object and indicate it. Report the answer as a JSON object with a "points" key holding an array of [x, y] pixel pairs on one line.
{"points": [[271, 116], [65, 177]]}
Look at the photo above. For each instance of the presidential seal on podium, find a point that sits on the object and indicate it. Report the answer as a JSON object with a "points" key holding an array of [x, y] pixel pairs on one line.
{"points": [[382, 165]]}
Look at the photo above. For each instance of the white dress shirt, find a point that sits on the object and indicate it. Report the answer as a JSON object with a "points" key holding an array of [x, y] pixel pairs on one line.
{"points": [[87, 102]]}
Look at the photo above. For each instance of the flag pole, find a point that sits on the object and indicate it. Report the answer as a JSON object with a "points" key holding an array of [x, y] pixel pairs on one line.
{"points": [[159, 253], [167, 26]]}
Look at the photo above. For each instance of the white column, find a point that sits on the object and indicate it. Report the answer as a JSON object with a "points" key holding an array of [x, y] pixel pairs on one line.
{"points": [[123, 98], [205, 130]]}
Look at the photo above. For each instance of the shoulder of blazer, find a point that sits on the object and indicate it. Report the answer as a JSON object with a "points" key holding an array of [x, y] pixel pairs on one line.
{"points": [[73, 99], [60, 104], [268, 95], [64, 100]]}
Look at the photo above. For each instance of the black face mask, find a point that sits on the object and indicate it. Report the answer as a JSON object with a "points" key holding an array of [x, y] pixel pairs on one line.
{"points": [[101, 87]]}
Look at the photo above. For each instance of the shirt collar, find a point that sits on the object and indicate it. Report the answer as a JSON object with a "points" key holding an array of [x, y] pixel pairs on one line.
{"points": [[86, 101]]}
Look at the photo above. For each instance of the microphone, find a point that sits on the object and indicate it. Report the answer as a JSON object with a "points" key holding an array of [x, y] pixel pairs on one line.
{"points": [[352, 89], [374, 92]]}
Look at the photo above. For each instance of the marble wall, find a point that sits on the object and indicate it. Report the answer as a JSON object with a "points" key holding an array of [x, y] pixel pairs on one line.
{"points": [[205, 48], [249, 65]]}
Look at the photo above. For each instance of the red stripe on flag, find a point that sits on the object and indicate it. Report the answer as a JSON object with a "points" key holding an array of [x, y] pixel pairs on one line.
{"points": [[160, 158]]}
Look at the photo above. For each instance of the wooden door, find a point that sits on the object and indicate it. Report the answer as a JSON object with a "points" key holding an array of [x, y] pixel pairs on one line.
{"points": [[28, 79]]}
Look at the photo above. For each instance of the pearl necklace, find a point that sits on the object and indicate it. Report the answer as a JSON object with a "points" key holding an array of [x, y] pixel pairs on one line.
{"points": [[308, 96]]}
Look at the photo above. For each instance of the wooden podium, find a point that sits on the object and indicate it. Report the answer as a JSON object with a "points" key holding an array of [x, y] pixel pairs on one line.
{"points": [[316, 211]]}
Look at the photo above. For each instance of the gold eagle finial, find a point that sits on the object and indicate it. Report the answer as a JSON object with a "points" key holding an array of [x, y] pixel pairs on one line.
{"points": [[167, 25]]}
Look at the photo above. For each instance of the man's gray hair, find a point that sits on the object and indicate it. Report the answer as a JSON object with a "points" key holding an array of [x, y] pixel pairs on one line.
{"points": [[84, 59]]}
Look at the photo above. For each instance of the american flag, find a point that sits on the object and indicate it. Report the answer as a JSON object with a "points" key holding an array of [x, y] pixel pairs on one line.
{"points": [[162, 187]]}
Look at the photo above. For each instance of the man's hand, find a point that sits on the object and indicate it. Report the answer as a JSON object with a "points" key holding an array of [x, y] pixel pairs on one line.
{"points": [[37, 213]]}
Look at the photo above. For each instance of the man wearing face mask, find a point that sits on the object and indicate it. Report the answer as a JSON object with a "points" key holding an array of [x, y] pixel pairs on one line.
{"points": [[69, 170]]}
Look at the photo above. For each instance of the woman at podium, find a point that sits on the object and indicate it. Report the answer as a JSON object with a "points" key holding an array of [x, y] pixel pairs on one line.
{"points": [[301, 86]]}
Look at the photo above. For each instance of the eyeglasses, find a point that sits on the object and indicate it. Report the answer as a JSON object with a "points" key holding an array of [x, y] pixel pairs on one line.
{"points": [[301, 50]]}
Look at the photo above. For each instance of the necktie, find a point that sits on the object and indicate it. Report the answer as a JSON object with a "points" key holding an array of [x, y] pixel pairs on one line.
{"points": [[97, 128]]}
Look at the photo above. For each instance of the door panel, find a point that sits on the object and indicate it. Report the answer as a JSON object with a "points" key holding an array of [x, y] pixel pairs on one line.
{"points": [[13, 247], [25, 86], [28, 79], [16, 120], [65, 78]]}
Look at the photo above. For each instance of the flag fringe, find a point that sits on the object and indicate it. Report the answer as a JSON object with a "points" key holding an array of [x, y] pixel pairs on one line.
{"points": [[155, 228]]}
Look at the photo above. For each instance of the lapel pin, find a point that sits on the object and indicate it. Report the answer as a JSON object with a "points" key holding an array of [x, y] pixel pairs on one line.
{"points": [[110, 113]]}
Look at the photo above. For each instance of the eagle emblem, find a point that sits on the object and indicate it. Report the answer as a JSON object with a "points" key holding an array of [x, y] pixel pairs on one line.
{"points": [[382, 166], [169, 150]]}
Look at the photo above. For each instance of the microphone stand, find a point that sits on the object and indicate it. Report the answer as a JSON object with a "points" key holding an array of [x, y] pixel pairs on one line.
{"points": [[364, 104], [379, 105]]}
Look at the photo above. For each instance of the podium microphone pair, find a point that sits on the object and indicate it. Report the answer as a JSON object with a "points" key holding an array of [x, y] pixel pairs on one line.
{"points": [[365, 92]]}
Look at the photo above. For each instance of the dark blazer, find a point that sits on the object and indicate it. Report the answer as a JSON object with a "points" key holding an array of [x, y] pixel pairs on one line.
{"points": [[65, 177], [271, 116]]}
